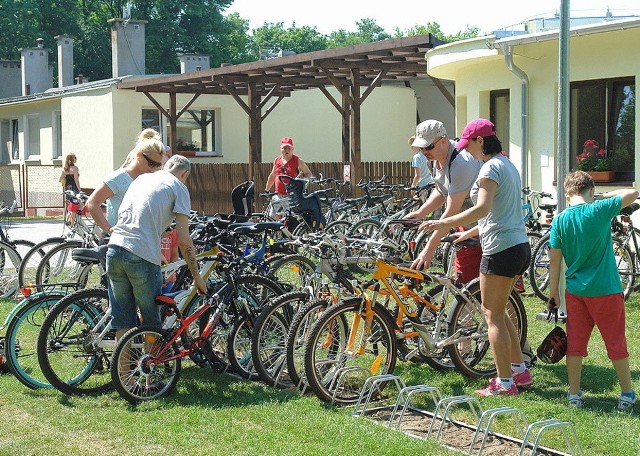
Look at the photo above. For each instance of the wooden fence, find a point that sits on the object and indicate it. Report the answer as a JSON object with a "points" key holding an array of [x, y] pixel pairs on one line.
{"points": [[210, 185]]}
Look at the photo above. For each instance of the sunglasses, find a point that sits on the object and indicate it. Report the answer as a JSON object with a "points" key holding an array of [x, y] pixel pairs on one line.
{"points": [[433, 144], [152, 163]]}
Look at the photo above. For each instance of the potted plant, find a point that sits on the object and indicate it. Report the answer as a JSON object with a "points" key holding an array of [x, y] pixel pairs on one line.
{"points": [[186, 148], [596, 162]]}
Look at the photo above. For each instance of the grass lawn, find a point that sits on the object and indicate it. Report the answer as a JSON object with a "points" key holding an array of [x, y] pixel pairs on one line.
{"points": [[220, 414]]}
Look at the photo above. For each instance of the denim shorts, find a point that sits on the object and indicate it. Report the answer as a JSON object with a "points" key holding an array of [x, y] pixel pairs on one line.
{"points": [[132, 282], [508, 262]]}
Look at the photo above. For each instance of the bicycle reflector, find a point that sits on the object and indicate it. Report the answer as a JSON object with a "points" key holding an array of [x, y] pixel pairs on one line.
{"points": [[553, 347]]}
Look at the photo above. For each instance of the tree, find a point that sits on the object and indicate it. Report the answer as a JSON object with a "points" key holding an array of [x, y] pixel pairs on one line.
{"points": [[368, 32], [435, 30], [271, 38]]}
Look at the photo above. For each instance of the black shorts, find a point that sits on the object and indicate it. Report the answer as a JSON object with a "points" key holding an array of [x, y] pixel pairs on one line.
{"points": [[509, 262]]}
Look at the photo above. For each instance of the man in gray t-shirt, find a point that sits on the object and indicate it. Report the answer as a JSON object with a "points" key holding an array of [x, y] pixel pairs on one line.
{"points": [[133, 259], [454, 174]]}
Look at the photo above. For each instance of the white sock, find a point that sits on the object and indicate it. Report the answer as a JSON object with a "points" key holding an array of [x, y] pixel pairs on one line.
{"points": [[518, 368], [506, 383]]}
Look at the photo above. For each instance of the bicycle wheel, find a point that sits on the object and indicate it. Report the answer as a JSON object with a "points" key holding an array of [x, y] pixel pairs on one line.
{"points": [[21, 339], [364, 229], [539, 268], [9, 265], [533, 237], [293, 272], [269, 337], [625, 261], [239, 347], [253, 293], [338, 226], [73, 354], [139, 372], [297, 337], [22, 246], [31, 260], [58, 266], [344, 350], [470, 351]]}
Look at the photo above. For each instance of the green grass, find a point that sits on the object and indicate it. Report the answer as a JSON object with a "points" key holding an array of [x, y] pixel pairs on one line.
{"points": [[217, 413]]}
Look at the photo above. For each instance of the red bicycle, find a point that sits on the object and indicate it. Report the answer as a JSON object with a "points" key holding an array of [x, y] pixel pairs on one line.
{"points": [[146, 362]]}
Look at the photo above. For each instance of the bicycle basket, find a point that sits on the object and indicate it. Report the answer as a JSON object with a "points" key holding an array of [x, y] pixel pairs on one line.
{"points": [[553, 347]]}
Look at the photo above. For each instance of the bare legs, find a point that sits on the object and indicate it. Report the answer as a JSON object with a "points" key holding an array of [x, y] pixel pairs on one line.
{"points": [[503, 336]]}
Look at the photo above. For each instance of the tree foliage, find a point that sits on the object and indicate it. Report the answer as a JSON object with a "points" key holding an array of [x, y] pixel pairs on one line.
{"points": [[173, 27]]}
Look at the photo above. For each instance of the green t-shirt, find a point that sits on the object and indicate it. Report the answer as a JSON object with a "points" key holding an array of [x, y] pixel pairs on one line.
{"points": [[583, 233]]}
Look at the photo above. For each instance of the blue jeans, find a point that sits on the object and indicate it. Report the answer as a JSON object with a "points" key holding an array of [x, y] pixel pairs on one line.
{"points": [[132, 282]]}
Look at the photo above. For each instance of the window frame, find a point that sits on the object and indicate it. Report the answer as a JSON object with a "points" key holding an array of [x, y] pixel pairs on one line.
{"points": [[605, 132]]}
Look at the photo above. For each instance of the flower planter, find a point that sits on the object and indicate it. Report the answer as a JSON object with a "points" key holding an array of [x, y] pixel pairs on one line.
{"points": [[602, 176]]}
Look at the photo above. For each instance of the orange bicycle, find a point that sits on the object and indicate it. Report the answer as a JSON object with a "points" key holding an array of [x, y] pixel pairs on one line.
{"points": [[358, 337]]}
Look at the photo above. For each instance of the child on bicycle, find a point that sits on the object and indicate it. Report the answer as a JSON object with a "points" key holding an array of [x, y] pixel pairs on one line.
{"points": [[581, 235]]}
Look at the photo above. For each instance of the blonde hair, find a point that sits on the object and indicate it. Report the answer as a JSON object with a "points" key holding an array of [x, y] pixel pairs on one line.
{"points": [[69, 161], [148, 141]]}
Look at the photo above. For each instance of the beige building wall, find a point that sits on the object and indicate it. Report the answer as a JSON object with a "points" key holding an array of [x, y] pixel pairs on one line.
{"points": [[87, 131], [100, 125], [477, 69]]}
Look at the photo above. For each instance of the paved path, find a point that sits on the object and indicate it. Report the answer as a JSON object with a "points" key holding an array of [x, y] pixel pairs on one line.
{"points": [[33, 230]]}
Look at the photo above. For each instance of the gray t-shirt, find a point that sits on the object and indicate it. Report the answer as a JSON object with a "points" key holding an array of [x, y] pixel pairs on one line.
{"points": [[503, 226], [118, 182], [148, 207], [458, 175]]}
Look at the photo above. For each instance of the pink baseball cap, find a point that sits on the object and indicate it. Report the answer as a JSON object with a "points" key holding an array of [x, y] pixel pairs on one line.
{"points": [[286, 141], [475, 128]]}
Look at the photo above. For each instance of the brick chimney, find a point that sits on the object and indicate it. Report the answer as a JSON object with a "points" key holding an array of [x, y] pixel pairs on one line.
{"points": [[127, 47], [37, 74], [65, 60], [194, 62]]}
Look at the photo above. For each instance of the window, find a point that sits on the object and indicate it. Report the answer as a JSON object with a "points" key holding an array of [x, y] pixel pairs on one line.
{"points": [[500, 105], [196, 131], [15, 144], [604, 110], [5, 141], [57, 134], [33, 135], [151, 118]]}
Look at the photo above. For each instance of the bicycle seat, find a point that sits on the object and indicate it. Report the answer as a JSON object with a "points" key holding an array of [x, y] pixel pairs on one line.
{"points": [[93, 255], [547, 207], [252, 228], [471, 242], [630, 209], [408, 223]]}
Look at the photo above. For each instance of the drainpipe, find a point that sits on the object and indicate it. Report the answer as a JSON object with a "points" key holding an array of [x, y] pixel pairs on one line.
{"points": [[524, 112]]}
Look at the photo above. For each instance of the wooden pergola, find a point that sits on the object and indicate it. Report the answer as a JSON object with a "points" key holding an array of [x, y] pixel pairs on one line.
{"points": [[259, 86]]}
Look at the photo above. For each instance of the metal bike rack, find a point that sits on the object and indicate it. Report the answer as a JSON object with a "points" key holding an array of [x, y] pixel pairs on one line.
{"points": [[447, 403], [339, 377], [407, 393], [567, 429], [486, 420], [370, 385]]}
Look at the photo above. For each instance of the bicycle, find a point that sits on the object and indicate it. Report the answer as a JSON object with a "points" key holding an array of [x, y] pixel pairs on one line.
{"points": [[357, 337], [22, 325], [147, 360]]}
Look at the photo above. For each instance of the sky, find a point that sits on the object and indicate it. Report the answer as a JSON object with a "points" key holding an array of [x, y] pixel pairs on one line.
{"points": [[452, 15]]}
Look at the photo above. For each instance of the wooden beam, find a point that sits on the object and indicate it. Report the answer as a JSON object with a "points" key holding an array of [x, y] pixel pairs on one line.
{"points": [[444, 91], [272, 107], [236, 97], [332, 100], [376, 83]]}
